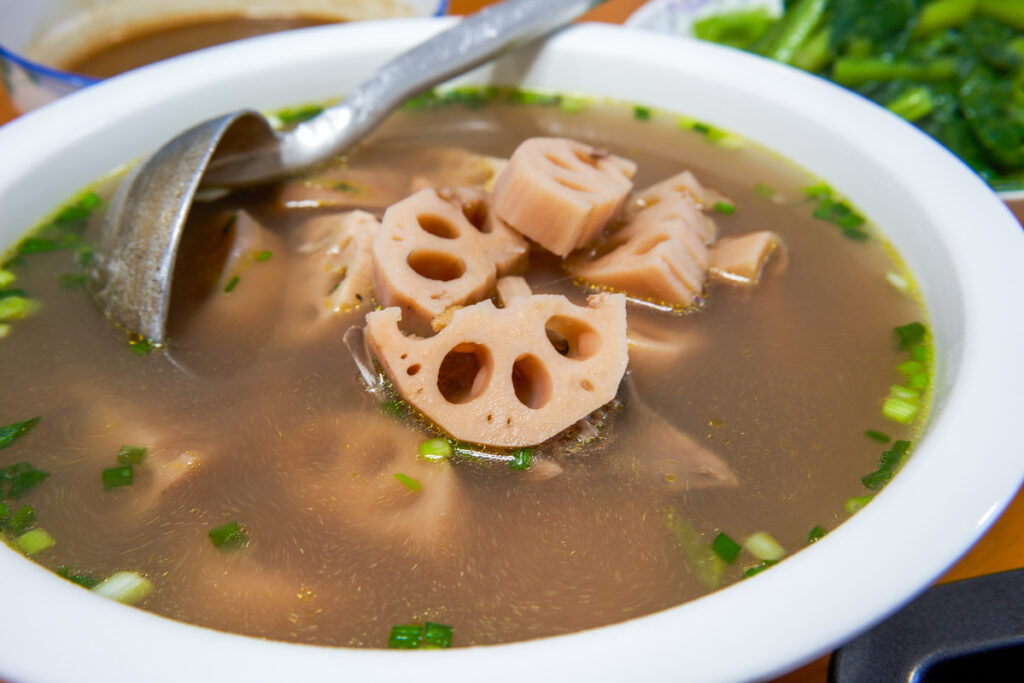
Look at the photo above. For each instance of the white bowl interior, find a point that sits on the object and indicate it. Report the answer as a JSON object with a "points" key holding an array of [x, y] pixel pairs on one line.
{"points": [[963, 245]]}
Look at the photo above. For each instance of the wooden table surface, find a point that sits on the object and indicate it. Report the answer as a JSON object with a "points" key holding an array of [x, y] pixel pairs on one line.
{"points": [[1002, 548]]}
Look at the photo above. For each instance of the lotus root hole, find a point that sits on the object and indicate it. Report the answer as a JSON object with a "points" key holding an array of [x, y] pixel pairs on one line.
{"points": [[585, 158], [464, 372], [437, 226], [531, 381], [436, 265], [476, 213], [572, 338], [587, 385], [412, 369], [572, 185]]}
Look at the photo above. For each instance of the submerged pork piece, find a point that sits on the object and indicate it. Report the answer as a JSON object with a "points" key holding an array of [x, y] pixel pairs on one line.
{"points": [[454, 167], [333, 273], [741, 259], [560, 193], [660, 451], [374, 481], [493, 376], [345, 188], [661, 254], [441, 248]]}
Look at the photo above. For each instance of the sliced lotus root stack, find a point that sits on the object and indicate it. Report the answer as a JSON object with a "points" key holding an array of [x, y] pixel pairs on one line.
{"points": [[741, 259], [683, 184], [660, 255], [560, 193], [441, 248], [512, 376]]}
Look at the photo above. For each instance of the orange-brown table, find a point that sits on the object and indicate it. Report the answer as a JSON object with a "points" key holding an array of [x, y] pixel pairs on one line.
{"points": [[1000, 549]]}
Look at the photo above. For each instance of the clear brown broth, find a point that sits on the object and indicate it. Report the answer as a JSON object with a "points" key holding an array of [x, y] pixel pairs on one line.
{"points": [[146, 44], [789, 376]]}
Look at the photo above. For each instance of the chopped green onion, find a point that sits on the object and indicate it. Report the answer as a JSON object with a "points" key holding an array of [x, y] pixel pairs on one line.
{"points": [[405, 637], [430, 636], [17, 307], [436, 636], [641, 113], [875, 435], [726, 548], [394, 408], [22, 519], [81, 578], [762, 546], [71, 280], [7, 278], [288, 117], [34, 541], [520, 459], [264, 255], [705, 565], [572, 105], [919, 352], [757, 569], [232, 283], [725, 207], [909, 335], [14, 431], [229, 536], [856, 503], [125, 587], [897, 281], [130, 455], [115, 477], [816, 534], [408, 482], [20, 478], [435, 449]]}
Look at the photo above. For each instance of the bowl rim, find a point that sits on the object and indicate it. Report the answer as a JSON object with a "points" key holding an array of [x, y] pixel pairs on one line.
{"points": [[868, 589], [78, 80]]}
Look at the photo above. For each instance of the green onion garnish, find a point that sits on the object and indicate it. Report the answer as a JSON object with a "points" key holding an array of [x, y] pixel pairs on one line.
{"points": [[395, 407], [232, 283], [140, 346], [405, 637], [408, 481], [857, 502], [521, 459], [22, 519], [264, 255], [288, 117], [909, 335], [34, 541], [757, 569], [130, 455], [816, 534], [125, 587], [436, 636], [14, 431], [725, 207], [7, 278], [726, 548], [229, 536], [81, 578], [435, 449], [115, 477], [875, 435], [17, 307], [641, 113], [20, 478], [430, 636], [762, 546]]}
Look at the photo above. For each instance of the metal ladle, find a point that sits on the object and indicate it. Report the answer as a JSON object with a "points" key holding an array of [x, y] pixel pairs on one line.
{"points": [[135, 255]]}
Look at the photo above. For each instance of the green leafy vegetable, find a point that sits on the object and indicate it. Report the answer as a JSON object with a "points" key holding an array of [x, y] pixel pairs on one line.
{"points": [[229, 536], [14, 431]]}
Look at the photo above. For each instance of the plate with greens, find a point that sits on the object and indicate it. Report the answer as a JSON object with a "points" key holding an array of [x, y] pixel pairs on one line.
{"points": [[953, 68]]}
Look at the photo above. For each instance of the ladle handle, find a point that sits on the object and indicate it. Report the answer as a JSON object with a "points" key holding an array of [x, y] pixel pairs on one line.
{"points": [[475, 40]]}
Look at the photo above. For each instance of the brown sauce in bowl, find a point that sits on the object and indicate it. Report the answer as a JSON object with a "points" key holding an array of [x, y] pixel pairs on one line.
{"points": [[121, 51]]}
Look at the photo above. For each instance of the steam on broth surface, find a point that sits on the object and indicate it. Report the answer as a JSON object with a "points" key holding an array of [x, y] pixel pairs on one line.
{"points": [[253, 417]]}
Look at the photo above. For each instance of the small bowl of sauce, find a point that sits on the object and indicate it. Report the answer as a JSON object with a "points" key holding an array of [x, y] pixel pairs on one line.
{"points": [[50, 48]]}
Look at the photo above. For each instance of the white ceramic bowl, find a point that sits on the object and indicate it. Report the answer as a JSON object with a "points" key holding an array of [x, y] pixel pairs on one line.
{"points": [[36, 35], [962, 243]]}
